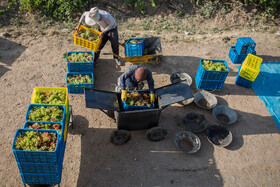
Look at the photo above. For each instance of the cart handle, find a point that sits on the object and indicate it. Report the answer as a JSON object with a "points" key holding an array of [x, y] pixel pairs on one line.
{"points": [[112, 54], [122, 44]]}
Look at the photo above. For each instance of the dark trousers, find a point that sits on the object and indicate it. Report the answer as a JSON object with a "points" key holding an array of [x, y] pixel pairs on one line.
{"points": [[113, 37]]}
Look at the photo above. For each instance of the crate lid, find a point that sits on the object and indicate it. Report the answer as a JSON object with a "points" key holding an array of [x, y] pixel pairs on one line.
{"points": [[173, 93], [102, 99]]}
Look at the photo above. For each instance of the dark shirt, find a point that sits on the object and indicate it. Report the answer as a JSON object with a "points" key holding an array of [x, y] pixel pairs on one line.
{"points": [[128, 79]]}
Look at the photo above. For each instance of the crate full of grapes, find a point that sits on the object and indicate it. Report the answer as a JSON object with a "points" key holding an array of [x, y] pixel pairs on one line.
{"points": [[137, 101], [78, 81], [50, 96], [36, 146], [80, 61], [135, 47], [48, 125], [87, 38], [211, 74], [45, 113]]}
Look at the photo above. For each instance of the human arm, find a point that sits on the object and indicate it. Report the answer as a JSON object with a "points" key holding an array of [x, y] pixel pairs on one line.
{"points": [[106, 21], [126, 77], [81, 20], [111, 24], [150, 81], [78, 26], [122, 79], [102, 34]]}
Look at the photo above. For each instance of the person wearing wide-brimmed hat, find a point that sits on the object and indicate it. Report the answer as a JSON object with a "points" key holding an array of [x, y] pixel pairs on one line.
{"points": [[133, 78], [108, 27]]}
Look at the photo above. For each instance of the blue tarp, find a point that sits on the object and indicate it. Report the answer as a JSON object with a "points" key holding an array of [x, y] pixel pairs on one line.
{"points": [[267, 87]]}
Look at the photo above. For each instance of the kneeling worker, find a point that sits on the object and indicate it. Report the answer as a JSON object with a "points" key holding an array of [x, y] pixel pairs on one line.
{"points": [[132, 79]]}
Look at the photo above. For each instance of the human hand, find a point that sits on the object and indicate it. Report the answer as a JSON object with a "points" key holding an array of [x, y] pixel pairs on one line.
{"points": [[123, 96], [101, 34], [152, 98], [77, 27]]}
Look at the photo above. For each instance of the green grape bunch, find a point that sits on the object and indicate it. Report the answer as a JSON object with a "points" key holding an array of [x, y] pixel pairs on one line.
{"points": [[53, 114], [79, 79], [55, 97], [134, 41], [213, 66], [36, 141], [80, 57], [88, 35], [135, 98], [37, 125]]}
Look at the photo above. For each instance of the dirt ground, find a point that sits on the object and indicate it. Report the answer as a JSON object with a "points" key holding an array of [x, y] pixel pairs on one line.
{"points": [[30, 60]]}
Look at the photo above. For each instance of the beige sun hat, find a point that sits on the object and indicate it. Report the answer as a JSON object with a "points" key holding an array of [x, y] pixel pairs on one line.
{"points": [[92, 16]]}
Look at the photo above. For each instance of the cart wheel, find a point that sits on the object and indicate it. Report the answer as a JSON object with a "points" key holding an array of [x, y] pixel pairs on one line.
{"points": [[120, 137], [156, 134]]}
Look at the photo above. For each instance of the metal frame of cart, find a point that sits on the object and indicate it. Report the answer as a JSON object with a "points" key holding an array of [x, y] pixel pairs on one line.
{"points": [[137, 119]]}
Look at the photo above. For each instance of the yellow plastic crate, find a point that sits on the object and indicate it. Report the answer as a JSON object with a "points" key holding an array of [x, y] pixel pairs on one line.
{"points": [[86, 43], [250, 67], [47, 89], [66, 126]]}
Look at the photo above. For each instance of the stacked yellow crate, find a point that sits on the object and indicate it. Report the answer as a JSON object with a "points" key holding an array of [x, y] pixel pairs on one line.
{"points": [[249, 71]]}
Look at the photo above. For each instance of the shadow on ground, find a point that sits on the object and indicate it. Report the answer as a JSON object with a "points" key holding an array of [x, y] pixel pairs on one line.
{"points": [[9, 52], [105, 164]]}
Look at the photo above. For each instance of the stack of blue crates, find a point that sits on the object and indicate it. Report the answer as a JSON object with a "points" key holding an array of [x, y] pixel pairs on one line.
{"points": [[211, 80], [76, 68], [41, 167], [244, 46]]}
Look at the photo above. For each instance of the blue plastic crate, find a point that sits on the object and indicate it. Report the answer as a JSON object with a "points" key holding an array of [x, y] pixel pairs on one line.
{"points": [[62, 107], [62, 152], [39, 168], [37, 156], [80, 66], [61, 137], [127, 107], [79, 88], [212, 75], [234, 57], [43, 168], [135, 49], [251, 51], [208, 85], [243, 82], [48, 179], [243, 44]]}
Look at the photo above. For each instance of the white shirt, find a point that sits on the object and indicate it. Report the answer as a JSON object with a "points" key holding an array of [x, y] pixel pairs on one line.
{"points": [[106, 21]]}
